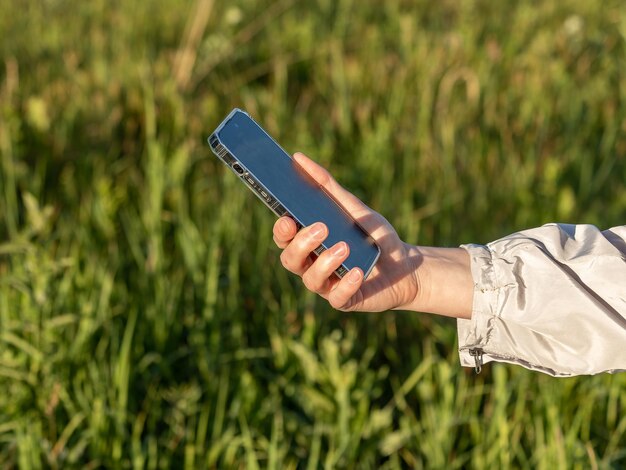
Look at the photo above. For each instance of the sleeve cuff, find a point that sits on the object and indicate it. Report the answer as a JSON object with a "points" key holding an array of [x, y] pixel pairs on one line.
{"points": [[474, 334]]}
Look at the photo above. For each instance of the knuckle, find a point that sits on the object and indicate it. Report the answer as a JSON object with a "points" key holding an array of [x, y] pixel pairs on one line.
{"points": [[333, 301], [277, 237], [286, 261], [343, 301], [277, 242], [310, 282], [346, 307], [338, 304]]}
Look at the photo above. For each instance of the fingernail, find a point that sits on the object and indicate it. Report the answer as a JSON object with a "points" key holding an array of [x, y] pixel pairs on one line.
{"points": [[317, 231], [354, 276], [339, 249]]}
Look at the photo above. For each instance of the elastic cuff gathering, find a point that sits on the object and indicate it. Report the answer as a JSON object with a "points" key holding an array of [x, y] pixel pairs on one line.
{"points": [[474, 334]]}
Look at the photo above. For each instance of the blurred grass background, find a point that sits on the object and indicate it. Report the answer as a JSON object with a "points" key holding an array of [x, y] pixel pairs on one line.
{"points": [[145, 321]]}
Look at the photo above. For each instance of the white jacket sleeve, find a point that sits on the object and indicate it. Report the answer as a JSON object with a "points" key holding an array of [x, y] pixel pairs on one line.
{"points": [[551, 299]]}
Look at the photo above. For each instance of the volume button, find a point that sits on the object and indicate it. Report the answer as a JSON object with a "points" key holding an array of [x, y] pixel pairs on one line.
{"points": [[249, 180]]}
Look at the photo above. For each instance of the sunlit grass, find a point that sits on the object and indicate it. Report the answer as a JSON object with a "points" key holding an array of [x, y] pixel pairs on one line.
{"points": [[144, 319]]}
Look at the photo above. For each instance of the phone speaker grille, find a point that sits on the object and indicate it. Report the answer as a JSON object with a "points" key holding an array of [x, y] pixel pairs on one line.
{"points": [[221, 151]]}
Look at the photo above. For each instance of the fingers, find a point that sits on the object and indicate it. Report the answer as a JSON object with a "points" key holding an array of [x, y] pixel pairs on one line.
{"points": [[319, 276], [295, 256], [345, 294], [284, 231]]}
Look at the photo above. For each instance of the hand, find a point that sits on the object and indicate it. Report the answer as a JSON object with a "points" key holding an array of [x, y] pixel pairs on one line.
{"points": [[394, 282]]}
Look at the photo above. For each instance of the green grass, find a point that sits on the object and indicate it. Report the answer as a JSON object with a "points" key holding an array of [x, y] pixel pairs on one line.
{"points": [[145, 321]]}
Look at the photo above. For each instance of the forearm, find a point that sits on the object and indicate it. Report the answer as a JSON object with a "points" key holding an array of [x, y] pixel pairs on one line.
{"points": [[445, 284]]}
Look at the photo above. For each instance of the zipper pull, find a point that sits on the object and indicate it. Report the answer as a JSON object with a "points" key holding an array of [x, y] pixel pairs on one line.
{"points": [[477, 354]]}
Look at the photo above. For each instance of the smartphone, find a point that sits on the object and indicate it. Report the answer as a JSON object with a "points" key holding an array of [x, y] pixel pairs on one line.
{"points": [[270, 172]]}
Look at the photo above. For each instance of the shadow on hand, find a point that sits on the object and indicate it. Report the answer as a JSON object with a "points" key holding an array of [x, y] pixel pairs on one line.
{"points": [[393, 279]]}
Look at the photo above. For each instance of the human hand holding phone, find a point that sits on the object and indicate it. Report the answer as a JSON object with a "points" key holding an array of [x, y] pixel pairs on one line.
{"points": [[393, 282], [334, 257], [406, 277]]}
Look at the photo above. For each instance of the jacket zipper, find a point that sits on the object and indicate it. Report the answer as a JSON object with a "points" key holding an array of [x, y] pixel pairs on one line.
{"points": [[477, 354]]}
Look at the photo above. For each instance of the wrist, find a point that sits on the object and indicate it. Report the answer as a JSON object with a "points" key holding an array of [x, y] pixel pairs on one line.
{"points": [[443, 280]]}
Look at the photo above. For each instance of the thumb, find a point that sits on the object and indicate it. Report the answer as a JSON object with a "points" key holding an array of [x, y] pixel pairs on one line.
{"points": [[322, 177]]}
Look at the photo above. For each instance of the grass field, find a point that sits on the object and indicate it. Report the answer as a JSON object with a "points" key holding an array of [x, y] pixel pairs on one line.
{"points": [[145, 321]]}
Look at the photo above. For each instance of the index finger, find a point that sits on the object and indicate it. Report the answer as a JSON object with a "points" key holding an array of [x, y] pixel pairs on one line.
{"points": [[284, 230]]}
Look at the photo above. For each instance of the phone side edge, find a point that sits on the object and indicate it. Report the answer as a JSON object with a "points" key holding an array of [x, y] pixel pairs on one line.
{"points": [[373, 263]]}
